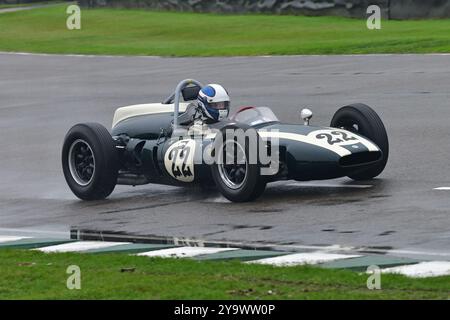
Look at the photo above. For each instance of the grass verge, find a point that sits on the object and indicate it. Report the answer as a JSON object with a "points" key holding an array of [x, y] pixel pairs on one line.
{"points": [[34, 275], [141, 32]]}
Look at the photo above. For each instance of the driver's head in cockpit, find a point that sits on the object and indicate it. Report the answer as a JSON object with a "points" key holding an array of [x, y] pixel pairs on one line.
{"points": [[214, 102]]}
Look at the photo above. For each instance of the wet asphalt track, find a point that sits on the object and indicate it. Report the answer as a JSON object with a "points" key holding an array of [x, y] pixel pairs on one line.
{"points": [[42, 96]]}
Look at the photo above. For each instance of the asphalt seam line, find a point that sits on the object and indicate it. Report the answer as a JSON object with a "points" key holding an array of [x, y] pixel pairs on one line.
{"points": [[289, 248]]}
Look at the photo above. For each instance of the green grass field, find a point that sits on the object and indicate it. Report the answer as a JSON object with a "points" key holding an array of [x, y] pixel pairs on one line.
{"points": [[140, 32], [34, 275]]}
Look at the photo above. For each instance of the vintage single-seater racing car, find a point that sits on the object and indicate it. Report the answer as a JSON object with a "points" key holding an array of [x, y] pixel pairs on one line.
{"points": [[168, 143]]}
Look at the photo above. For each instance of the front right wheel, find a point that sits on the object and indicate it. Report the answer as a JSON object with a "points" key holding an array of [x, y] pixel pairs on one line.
{"points": [[363, 120]]}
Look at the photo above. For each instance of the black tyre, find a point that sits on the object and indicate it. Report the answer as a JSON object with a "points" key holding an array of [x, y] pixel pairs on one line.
{"points": [[90, 161], [241, 180], [363, 120]]}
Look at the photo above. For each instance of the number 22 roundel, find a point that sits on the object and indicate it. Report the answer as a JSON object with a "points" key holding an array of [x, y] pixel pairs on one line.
{"points": [[179, 160]]}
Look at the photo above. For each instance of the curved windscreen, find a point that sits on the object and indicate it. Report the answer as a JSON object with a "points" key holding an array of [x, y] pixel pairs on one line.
{"points": [[255, 116]]}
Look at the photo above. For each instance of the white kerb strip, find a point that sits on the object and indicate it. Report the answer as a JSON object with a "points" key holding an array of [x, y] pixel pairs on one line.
{"points": [[11, 238], [303, 258], [422, 269], [80, 246], [184, 252]]}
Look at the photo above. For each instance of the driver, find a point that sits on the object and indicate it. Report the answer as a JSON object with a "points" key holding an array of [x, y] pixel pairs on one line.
{"points": [[213, 105]]}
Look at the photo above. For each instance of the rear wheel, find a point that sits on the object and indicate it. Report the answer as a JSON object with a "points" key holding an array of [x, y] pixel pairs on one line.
{"points": [[240, 180], [90, 161], [363, 120]]}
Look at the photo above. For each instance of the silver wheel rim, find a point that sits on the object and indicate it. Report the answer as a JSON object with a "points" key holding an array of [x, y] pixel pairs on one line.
{"points": [[81, 162], [233, 175]]}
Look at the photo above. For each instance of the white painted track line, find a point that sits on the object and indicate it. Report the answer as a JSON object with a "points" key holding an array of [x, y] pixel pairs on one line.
{"points": [[184, 252], [422, 269], [30, 7], [80, 246], [11, 238], [32, 232], [442, 188], [303, 258], [234, 57]]}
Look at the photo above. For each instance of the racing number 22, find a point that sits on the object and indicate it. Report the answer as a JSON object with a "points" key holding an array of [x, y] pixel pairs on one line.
{"points": [[335, 137]]}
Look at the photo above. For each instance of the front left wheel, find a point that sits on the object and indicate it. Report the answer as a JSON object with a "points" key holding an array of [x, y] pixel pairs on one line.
{"points": [[90, 161], [238, 180]]}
